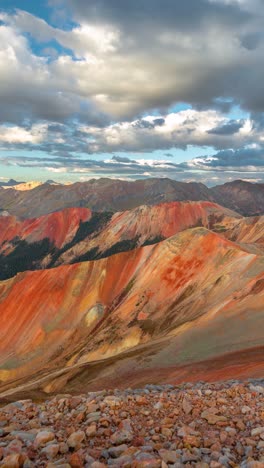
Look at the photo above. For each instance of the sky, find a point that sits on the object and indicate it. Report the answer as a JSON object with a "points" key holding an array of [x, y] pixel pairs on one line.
{"points": [[132, 89]]}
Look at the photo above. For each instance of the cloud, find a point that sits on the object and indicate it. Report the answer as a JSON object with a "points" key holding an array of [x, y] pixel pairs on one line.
{"points": [[228, 128], [18, 135], [110, 80], [120, 60], [249, 159], [123, 159], [183, 16], [175, 130], [181, 130]]}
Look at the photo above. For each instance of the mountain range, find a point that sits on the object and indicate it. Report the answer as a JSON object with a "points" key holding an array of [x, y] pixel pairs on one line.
{"points": [[118, 195], [165, 291]]}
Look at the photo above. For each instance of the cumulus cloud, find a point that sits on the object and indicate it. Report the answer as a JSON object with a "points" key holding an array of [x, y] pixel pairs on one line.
{"points": [[174, 130], [109, 82], [250, 159], [121, 59]]}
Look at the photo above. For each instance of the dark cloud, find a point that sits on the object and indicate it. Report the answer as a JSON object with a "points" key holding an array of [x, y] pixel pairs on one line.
{"points": [[251, 40], [174, 14], [229, 128], [237, 158], [123, 159], [144, 124], [158, 122], [56, 128], [242, 160]]}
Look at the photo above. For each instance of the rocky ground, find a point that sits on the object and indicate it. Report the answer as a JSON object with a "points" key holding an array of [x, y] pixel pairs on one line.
{"points": [[201, 425]]}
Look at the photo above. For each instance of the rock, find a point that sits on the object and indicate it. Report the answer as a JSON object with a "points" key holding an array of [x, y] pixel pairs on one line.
{"points": [[28, 463], [115, 452], [184, 431], [97, 465], [43, 437], [123, 461], [58, 465], [163, 464], [51, 451], [76, 461], [192, 441], [169, 456], [120, 437], [224, 461], [215, 464], [92, 407], [112, 401], [91, 430], [63, 448], [231, 431], [260, 445], [157, 426], [186, 406], [256, 388], [12, 461], [254, 464], [75, 440], [245, 409], [257, 431], [24, 435], [212, 418], [166, 432], [158, 406], [93, 417], [145, 460]]}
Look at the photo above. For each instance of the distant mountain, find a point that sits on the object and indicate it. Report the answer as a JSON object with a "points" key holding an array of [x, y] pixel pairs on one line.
{"points": [[244, 197], [117, 195], [22, 186], [10, 183], [52, 182]]}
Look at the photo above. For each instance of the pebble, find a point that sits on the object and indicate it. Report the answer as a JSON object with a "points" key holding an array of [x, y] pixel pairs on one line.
{"points": [[43, 438], [75, 439], [201, 425]]}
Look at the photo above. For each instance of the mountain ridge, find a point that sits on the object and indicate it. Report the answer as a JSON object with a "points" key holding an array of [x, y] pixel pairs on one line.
{"points": [[117, 195], [77, 234]]}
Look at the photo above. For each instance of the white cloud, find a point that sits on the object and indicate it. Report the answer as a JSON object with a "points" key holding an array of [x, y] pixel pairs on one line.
{"points": [[18, 135], [181, 129], [124, 72]]}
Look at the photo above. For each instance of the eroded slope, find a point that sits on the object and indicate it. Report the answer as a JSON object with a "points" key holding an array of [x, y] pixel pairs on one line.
{"points": [[193, 297]]}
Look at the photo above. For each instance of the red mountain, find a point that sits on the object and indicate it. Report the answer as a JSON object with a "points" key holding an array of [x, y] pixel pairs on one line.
{"points": [[77, 234], [138, 315]]}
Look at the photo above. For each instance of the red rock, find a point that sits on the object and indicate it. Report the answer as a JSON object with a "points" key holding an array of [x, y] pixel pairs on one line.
{"points": [[76, 461], [187, 406], [75, 440], [12, 461], [192, 441]]}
